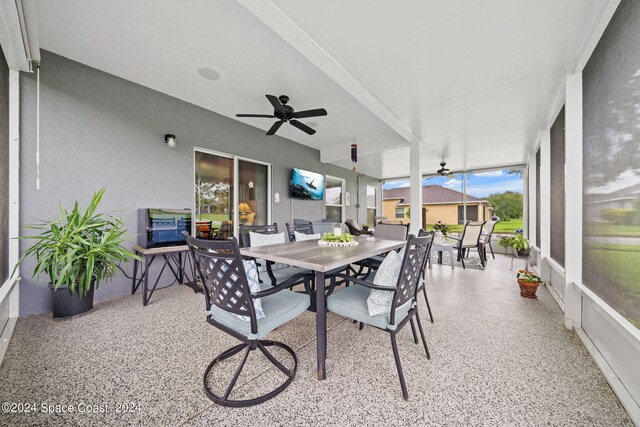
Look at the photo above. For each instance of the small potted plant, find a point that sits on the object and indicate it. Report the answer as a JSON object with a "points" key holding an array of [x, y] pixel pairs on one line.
{"points": [[76, 251], [506, 242], [528, 283], [441, 227], [521, 245], [365, 227]]}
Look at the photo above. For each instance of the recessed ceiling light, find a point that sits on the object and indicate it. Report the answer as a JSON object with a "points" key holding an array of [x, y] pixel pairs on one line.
{"points": [[208, 73], [311, 124]]}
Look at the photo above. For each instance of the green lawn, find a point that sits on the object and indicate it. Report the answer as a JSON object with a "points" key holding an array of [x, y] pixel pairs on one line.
{"points": [[503, 227], [614, 270], [605, 229]]}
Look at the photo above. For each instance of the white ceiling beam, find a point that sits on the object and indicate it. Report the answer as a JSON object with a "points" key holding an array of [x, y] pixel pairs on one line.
{"points": [[279, 22], [605, 14]]}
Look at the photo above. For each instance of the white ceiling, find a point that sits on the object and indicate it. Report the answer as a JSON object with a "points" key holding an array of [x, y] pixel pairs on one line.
{"points": [[473, 80]]}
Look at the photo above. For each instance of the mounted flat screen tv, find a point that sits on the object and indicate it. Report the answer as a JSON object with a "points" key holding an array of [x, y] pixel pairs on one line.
{"points": [[307, 185]]}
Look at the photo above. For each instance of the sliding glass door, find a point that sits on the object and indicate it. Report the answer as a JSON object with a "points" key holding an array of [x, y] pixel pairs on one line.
{"points": [[214, 207], [229, 191]]}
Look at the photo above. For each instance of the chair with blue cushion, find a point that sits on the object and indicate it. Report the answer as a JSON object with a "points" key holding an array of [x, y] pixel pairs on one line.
{"points": [[300, 227], [351, 301], [276, 272], [236, 305], [422, 285]]}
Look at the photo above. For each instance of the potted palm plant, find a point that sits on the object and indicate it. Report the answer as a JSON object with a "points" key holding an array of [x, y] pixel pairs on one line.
{"points": [[76, 252]]}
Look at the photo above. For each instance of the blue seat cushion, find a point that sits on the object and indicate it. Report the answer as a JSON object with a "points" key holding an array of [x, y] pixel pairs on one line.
{"points": [[351, 302], [279, 308]]}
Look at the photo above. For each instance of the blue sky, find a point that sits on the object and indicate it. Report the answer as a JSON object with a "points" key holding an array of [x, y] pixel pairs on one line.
{"points": [[478, 184]]}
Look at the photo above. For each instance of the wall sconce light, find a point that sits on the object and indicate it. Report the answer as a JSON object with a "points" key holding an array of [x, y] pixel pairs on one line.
{"points": [[170, 140]]}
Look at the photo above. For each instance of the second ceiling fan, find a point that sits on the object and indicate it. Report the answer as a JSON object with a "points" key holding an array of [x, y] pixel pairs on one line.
{"points": [[286, 113]]}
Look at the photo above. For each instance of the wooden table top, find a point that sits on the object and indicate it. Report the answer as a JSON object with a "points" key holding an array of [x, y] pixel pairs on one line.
{"points": [[308, 254]]}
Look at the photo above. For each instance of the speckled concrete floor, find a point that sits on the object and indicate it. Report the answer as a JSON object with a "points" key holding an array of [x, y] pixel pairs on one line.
{"points": [[497, 359]]}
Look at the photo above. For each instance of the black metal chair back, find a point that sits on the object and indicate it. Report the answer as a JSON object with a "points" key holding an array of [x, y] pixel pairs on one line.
{"points": [[415, 255], [245, 239], [306, 228], [219, 266]]}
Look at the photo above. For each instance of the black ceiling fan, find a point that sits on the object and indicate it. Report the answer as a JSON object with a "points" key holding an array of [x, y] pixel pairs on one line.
{"points": [[443, 171], [286, 113]]}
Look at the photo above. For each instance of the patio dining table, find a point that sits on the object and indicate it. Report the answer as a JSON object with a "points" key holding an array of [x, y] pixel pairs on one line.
{"points": [[321, 259]]}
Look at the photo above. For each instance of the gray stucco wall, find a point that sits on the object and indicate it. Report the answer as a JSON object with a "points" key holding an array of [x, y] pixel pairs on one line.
{"points": [[98, 130]]}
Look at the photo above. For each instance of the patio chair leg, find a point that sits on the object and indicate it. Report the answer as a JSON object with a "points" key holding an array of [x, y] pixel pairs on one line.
{"points": [[261, 345], [490, 247], [461, 258], [424, 340], [361, 326], [481, 257], [413, 331], [424, 290], [396, 356], [237, 374]]}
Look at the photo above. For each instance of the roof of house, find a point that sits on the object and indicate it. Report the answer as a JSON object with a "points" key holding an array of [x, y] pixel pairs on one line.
{"points": [[431, 194]]}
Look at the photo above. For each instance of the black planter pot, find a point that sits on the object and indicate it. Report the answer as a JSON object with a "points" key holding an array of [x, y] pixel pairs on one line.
{"points": [[524, 252], [67, 305]]}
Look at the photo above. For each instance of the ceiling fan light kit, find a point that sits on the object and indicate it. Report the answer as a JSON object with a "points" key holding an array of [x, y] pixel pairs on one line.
{"points": [[285, 113]]}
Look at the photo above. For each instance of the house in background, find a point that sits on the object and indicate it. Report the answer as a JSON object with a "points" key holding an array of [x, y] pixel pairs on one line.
{"points": [[438, 204]]}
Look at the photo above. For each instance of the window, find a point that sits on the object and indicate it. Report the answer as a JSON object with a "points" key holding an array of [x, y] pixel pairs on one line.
{"points": [[229, 191], [611, 162], [334, 188], [372, 197], [399, 212]]}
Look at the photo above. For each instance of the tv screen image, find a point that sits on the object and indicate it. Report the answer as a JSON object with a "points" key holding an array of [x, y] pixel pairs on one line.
{"points": [[307, 185]]}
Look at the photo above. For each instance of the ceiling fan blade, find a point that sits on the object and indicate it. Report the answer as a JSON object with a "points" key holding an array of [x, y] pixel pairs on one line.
{"points": [[276, 103], [256, 115], [275, 127], [310, 113], [302, 127]]}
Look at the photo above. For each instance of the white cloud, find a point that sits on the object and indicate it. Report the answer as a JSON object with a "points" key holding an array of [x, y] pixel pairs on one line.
{"points": [[453, 184], [491, 174], [396, 184], [485, 190]]}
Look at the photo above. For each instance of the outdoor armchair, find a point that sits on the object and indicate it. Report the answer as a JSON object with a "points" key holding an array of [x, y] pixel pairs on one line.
{"points": [[469, 239], [351, 301], [236, 305], [276, 272], [485, 237]]}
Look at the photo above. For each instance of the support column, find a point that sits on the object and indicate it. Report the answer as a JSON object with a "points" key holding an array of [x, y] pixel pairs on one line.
{"points": [[545, 194], [415, 184], [533, 173], [525, 203], [573, 204]]}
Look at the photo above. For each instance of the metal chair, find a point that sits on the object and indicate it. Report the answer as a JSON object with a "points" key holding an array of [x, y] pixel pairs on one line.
{"points": [[470, 239], [275, 275], [228, 295], [423, 284], [351, 302], [485, 237], [306, 228]]}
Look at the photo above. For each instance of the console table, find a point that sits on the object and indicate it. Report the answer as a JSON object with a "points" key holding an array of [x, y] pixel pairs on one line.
{"points": [[170, 254]]}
